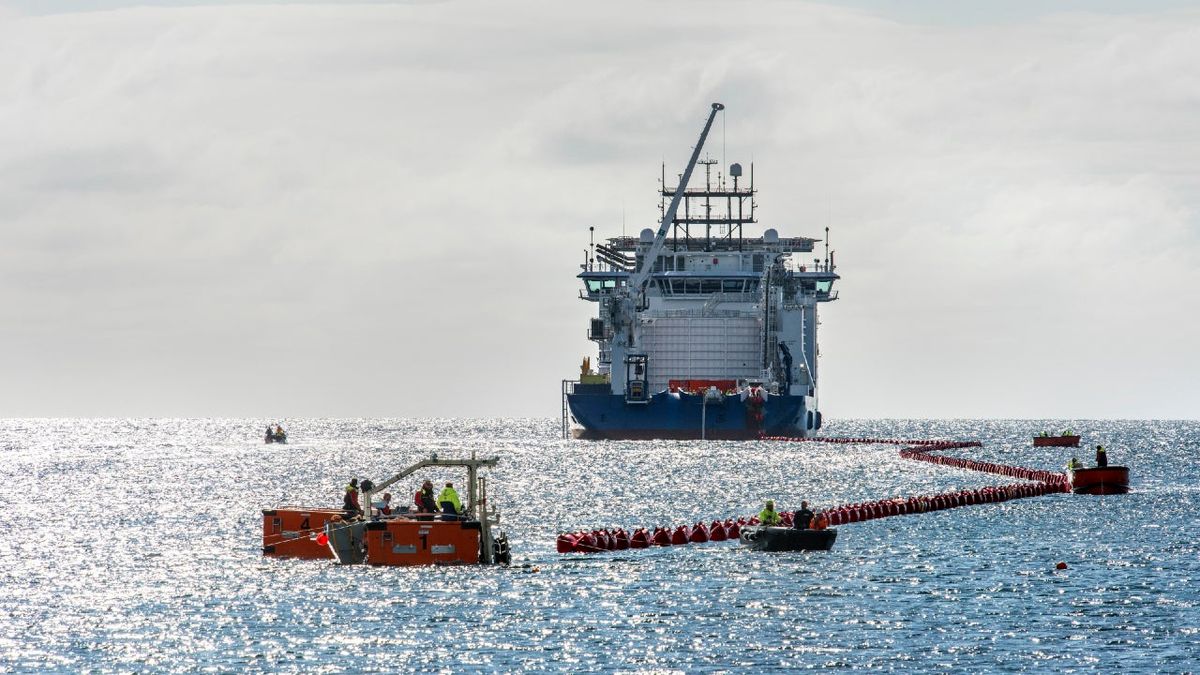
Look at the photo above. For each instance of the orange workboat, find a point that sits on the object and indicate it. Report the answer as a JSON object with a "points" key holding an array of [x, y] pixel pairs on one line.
{"points": [[402, 538], [1065, 441], [1106, 480]]}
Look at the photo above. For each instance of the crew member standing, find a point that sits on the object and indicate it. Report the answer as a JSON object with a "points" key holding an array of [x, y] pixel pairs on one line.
{"points": [[350, 500], [1101, 457]]}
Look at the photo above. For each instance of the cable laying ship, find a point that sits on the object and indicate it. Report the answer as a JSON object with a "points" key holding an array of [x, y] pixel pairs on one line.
{"points": [[702, 331]]}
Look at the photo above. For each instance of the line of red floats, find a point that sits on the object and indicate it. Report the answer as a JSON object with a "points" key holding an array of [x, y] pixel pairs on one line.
{"points": [[1046, 482], [619, 540]]}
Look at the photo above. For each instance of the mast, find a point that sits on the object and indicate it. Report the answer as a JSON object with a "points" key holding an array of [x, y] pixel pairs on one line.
{"points": [[623, 308], [639, 278]]}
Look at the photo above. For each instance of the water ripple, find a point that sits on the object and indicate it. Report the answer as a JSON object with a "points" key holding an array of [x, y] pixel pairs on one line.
{"points": [[133, 545]]}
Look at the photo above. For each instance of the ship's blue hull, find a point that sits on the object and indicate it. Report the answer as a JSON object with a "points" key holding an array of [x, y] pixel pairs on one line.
{"points": [[681, 416]]}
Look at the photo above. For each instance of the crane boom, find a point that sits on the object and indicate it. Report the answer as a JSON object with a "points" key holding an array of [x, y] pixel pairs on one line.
{"points": [[643, 273]]}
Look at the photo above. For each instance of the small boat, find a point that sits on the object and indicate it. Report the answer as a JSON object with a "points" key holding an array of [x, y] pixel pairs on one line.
{"points": [[275, 438], [1107, 480], [787, 539], [1056, 441], [402, 538]]}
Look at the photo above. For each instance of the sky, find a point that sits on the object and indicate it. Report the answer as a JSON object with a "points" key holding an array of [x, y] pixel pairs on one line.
{"points": [[297, 209]]}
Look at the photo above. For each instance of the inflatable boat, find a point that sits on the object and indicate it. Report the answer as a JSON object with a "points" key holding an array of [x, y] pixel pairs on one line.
{"points": [[786, 539]]}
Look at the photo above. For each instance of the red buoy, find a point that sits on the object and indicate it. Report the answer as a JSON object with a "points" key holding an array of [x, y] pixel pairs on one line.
{"points": [[566, 543], [586, 543], [640, 539], [680, 536], [716, 531], [699, 534], [622, 539], [732, 529], [661, 537]]}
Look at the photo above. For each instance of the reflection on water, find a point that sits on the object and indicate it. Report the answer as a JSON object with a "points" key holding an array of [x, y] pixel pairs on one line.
{"points": [[134, 545]]}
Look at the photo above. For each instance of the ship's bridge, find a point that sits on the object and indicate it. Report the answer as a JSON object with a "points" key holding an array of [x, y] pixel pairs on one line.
{"points": [[813, 280], [693, 284], [598, 283]]}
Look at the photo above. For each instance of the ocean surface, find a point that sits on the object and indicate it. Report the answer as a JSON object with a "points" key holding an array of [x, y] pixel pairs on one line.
{"points": [[134, 545]]}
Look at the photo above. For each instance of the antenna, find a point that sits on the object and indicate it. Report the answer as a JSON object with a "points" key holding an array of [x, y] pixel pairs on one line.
{"points": [[592, 244], [827, 248]]}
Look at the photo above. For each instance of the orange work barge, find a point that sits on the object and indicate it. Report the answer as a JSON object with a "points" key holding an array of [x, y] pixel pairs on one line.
{"points": [[402, 538]]}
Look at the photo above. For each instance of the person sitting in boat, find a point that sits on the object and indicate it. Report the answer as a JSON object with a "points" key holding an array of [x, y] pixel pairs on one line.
{"points": [[384, 504], [1101, 457], [270, 434], [448, 498], [279, 432], [1074, 464], [802, 518], [350, 500], [769, 516], [424, 499]]}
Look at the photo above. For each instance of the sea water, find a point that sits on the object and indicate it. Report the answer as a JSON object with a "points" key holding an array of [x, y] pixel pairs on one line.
{"points": [[135, 545]]}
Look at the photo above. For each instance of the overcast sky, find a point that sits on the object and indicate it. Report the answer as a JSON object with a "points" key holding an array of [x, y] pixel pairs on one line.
{"points": [[296, 209]]}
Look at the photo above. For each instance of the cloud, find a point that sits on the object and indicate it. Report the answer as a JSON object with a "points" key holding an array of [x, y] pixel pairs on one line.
{"points": [[377, 209]]}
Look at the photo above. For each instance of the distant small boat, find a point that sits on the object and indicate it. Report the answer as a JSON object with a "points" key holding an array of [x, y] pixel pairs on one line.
{"points": [[787, 539], [1059, 441], [1108, 480], [275, 438]]}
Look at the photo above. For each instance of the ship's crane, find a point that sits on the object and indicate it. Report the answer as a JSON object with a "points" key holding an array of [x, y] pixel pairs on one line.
{"points": [[624, 313]]}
